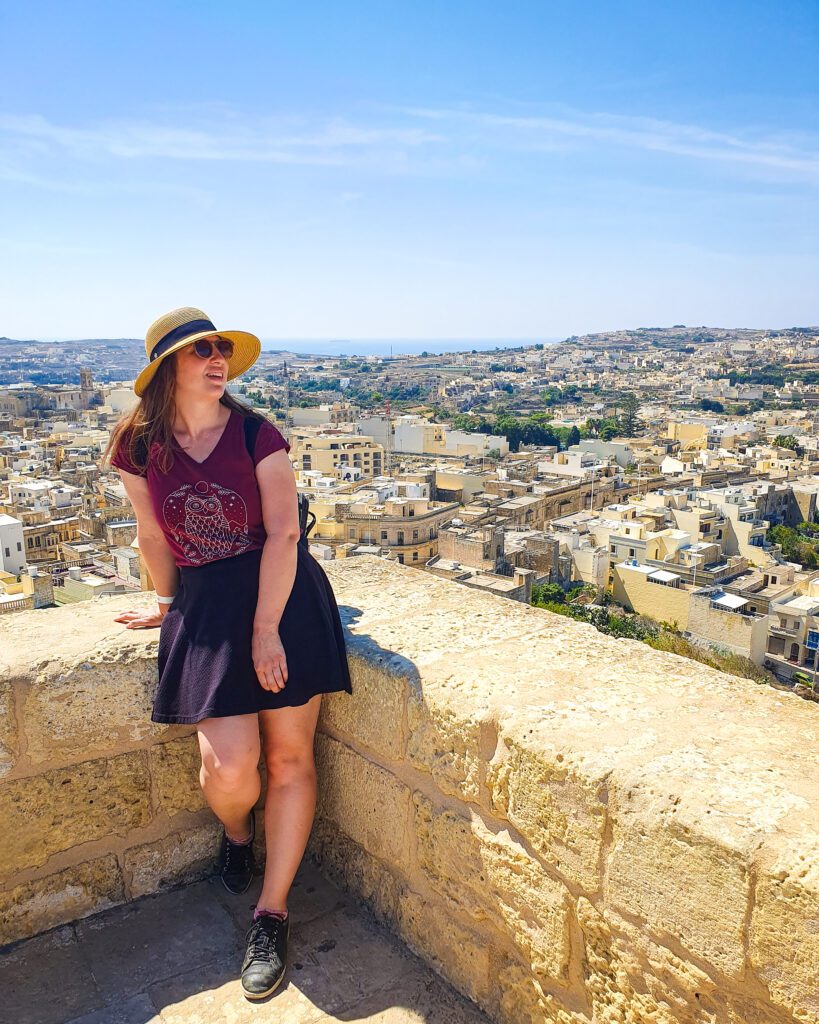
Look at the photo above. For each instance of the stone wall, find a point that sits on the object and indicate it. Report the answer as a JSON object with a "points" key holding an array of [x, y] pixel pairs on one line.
{"points": [[98, 804], [570, 828]]}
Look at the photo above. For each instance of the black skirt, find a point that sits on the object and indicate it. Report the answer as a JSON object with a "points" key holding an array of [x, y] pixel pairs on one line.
{"points": [[205, 641]]}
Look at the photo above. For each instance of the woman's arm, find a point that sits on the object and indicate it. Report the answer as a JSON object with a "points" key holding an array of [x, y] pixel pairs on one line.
{"points": [[277, 570], [153, 547]]}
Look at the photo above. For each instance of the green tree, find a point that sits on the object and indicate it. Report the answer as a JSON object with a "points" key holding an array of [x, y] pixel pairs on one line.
{"points": [[573, 438], [787, 441], [630, 422]]}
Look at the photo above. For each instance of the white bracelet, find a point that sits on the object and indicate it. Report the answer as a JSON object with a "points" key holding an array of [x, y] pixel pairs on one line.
{"points": [[165, 600]]}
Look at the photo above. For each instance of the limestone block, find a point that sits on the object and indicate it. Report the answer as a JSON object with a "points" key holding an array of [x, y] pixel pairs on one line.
{"points": [[183, 856], [67, 895], [446, 743], [375, 717], [631, 979], [9, 744], [363, 800], [175, 774], [45, 814], [679, 868], [558, 808], [784, 935], [97, 703], [522, 1000], [355, 870], [492, 878], [456, 952]]}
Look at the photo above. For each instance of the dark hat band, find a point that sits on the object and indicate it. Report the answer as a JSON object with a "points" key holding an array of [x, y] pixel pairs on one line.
{"points": [[178, 333]]}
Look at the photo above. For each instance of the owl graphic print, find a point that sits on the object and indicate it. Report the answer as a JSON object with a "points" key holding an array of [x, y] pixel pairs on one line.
{"points": [[207, 521]]}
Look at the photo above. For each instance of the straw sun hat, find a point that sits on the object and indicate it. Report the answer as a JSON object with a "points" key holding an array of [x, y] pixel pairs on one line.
{"points": [[181, 327]]}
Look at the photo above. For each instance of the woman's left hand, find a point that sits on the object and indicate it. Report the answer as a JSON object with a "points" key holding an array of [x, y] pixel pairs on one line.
{"points": [[269, 659]]}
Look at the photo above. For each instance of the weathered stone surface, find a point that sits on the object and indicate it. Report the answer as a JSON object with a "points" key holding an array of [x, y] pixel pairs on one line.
{"points": [[657, 787], [366, 802], [446, 743], [521, 999], [183, 856], [493, 879], [560, 810], [65, 896], [175, 774], [350, 866], [706, 813], [25, 999], [375, 718], [633, 980], [784, 936], [155, 945], [175, 956], [9, 744], [45, 814], [87, 681], [459, 954], [86, 707]]}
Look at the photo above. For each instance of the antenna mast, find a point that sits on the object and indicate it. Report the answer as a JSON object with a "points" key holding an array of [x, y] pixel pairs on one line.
{"points": [[286, 375], [388, 446]]}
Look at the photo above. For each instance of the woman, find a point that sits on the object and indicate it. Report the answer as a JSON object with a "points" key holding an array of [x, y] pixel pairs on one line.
{"points": [[250, 634]]}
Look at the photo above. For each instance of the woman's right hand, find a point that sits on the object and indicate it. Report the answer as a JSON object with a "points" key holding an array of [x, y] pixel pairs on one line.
{"points": [[141, 619]]}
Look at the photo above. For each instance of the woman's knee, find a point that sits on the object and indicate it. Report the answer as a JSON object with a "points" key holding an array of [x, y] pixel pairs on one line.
{"points": [[285, 764], [230, 752]]}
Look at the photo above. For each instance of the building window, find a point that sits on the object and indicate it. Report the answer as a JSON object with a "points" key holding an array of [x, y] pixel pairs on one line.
{"points": [[415, 535], [415, 556], [8, 553], [19, 546], [631, 552], [383, 535]]}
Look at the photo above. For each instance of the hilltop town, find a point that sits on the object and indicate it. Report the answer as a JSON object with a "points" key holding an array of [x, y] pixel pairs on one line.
{"points": [[659, 483]]}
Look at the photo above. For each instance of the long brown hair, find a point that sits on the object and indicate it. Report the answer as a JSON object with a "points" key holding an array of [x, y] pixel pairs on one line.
{"points": [[151, 421]]}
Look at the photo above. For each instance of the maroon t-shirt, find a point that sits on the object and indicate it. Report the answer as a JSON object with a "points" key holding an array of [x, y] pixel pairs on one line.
{"points": [[210, 509]]}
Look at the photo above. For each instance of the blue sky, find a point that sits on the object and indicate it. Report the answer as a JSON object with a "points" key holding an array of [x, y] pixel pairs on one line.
{"points": [[408, 170]]}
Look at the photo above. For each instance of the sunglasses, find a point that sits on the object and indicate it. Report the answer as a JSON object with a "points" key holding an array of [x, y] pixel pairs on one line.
{"points": [[204, 347]]}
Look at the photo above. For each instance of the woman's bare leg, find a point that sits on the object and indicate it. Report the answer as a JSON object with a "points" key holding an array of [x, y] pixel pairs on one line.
{"points": [[229, 775], [290, 803]]}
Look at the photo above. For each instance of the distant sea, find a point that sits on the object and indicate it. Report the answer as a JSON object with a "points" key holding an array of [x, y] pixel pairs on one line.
{"points": [[398, 346]]}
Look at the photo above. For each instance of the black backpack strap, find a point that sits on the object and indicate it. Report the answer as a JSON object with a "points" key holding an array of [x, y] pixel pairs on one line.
{"points": [[252, 425], [141, 451]]}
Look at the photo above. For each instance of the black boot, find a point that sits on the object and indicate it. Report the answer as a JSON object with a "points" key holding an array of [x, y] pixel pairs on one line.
{"points": [[237, 861]]}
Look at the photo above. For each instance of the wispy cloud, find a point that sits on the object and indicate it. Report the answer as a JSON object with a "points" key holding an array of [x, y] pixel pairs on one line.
{"points": [[773, 153], [406, 140], [229, 138]]}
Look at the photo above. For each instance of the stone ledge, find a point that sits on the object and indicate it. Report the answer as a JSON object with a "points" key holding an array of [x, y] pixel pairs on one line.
{"points": [[591, 823]]}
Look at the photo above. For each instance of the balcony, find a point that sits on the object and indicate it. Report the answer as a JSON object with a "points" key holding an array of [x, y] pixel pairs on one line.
{"points": [[561, 826], [783, 630]]}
